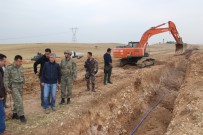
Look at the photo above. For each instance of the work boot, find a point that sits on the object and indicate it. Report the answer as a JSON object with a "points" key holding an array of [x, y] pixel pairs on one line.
{"points": [[88, 88], [110, 82], [53, 109], [46, 111], [68, 100], [93, 87], [23, 119], [62, 101], [15, 116]]}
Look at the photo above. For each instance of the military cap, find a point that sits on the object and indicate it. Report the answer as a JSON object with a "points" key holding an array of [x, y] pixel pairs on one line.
{"points": [[67, 52]]}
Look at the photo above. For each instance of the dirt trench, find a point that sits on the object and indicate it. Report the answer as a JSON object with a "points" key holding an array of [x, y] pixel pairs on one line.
{"points": [[117, 111], [125, 107]]}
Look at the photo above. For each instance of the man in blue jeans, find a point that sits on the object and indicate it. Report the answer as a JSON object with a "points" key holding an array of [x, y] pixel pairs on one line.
{"points": [[51, 74], [2, 96], [41, 61]]}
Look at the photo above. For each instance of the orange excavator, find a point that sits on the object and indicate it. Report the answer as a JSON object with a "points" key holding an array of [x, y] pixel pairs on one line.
{"points": [[135, 51]]}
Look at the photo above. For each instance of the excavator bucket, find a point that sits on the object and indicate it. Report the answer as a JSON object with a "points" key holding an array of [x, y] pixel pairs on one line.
{"points": [[179, 48]]}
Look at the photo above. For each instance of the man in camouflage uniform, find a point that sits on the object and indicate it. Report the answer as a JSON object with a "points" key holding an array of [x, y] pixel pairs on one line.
{"points": [[68, 74], [13, 81], [91, 66]]}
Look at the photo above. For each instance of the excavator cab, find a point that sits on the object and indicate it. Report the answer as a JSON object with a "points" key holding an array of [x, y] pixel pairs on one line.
{"points": [[130, 45], [133, 44]]}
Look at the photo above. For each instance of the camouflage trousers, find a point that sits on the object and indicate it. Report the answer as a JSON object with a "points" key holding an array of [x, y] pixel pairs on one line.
{"points": [[66, 87], [17, 93], [90, 79]]}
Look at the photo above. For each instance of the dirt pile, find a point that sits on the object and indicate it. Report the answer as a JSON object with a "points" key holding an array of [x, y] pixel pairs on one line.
{"points": [[188, 109]]}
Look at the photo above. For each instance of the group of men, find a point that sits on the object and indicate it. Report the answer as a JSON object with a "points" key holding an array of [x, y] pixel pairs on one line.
{"points": [[11, 81], [51, 76]]}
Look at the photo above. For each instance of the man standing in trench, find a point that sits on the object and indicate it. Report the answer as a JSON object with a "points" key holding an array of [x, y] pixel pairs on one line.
{"points": [[68, 75]]}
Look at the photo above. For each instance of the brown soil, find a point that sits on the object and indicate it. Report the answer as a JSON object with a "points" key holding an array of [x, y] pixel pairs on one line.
{"points": [[117, 108]]}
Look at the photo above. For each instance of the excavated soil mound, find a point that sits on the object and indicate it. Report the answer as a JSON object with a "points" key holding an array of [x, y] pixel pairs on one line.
{"points": [[188, 109]]}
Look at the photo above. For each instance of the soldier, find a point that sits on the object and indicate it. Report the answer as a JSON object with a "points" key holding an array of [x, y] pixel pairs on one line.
{"points": [[107, 66], [13, 81], [68, 74], [42, 60], [91, 66]]}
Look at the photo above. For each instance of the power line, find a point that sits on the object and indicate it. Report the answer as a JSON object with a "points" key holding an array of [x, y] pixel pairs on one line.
{"points": [[74, 36]]}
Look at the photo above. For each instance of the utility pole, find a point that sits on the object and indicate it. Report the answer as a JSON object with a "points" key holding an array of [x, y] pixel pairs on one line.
{"points": [[74, 31]]}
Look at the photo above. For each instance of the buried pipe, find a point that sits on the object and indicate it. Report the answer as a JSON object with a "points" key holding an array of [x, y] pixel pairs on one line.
{"points": [[146, 114]]}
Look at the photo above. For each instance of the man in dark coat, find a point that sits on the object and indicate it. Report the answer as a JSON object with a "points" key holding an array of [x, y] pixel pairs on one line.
{"points": [[107, 66], [42, 60], [51, 75], [2, 96]]}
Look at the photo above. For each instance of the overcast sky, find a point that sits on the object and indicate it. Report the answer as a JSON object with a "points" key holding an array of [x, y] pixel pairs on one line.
{"points": [[99, 21]]}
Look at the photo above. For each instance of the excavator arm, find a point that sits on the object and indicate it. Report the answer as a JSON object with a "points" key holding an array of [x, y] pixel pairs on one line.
{"points": [[174, 32], [157, 30]]}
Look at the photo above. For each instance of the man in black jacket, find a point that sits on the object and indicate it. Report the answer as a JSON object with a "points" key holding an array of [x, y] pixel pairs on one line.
{"points": [[42, 60], [2, 70], [107, 66], [2, 96], [51, 74]]}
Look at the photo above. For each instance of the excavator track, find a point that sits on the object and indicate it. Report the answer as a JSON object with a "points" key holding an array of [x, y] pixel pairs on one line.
{"points": [[139, 62], [145, 62]]}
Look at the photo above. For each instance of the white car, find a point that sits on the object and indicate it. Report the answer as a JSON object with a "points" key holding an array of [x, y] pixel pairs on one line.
{"points": [[77, 55]]}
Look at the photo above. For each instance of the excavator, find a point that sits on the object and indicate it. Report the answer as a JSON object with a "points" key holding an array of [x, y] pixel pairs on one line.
{"points": [[135, 52]]}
